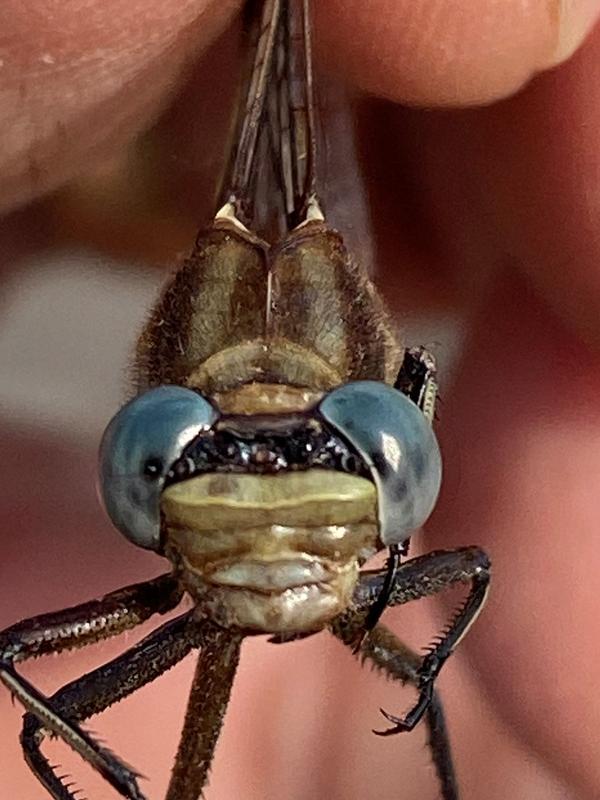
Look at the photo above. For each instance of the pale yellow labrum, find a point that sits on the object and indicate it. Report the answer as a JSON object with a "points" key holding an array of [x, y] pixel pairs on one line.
{"points": [[271, 552]]}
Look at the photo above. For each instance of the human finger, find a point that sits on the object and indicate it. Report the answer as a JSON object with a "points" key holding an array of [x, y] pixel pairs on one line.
{"points": [[79, 79], [459, 194], [453, 52]]}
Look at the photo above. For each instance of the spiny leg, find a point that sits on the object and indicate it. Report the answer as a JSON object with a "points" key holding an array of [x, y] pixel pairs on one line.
{"points": [[89, 622], [420, 577], [400, 663], [211, 689], [75, 627], [97, 690]]}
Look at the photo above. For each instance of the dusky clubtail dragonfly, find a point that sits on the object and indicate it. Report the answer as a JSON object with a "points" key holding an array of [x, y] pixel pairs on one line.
{"points": [[279, 438]]}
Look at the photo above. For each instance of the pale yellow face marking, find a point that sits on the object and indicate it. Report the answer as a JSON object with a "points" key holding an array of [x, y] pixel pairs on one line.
{"points": [[275, 553], [314, 497]]}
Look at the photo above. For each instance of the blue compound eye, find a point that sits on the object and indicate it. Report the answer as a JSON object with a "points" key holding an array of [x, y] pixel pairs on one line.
{"points": [[139, 446], [398, 445]]}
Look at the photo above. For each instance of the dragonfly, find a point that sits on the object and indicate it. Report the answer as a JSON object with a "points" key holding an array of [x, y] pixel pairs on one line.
{"points": [[280, 436]]}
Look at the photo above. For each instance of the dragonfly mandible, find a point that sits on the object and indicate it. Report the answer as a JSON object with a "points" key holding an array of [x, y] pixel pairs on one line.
{"points": [[280, 437]]}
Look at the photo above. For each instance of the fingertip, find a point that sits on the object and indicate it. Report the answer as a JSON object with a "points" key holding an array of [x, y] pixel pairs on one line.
{"points": [[457, 53], [79, 80], [575, 21]]}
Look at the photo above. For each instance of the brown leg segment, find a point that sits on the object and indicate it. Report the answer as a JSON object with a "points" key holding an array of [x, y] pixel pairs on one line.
{"points": [[211, 688], [97, 690], [75, 627]]}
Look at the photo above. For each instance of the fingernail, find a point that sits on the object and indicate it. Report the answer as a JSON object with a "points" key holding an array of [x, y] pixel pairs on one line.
{"points": [[573, 20]]}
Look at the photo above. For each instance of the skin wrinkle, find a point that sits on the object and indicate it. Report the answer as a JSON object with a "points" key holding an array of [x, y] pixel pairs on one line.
{"points": [[79, 29], [102, 85]]}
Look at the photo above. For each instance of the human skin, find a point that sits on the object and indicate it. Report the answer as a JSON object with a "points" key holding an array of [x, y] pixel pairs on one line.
{"points": [[507, 193]]}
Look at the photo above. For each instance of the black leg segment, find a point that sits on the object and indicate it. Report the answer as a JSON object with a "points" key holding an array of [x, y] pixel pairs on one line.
{"points": [[381, 602], [76, 627], [97, 690], [400, 663], [417, 379], [421, 577]]}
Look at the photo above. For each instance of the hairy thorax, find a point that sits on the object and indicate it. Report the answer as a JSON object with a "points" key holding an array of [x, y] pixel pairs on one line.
{"points": [[267, 330]]}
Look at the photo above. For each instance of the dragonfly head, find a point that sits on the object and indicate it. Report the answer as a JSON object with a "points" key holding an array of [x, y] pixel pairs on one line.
{"points": [[268, 517]]}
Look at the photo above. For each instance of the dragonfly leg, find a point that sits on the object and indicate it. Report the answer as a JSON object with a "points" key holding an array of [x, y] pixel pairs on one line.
{"points": [[209, 696], [97, 690], [75, 627], [400, 663], [380, 603], [420, 577]]}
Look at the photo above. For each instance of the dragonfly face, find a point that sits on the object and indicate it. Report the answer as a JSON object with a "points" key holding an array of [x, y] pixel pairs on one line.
{"points": [[267, 535], [267, 517], [279, 438]]}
